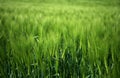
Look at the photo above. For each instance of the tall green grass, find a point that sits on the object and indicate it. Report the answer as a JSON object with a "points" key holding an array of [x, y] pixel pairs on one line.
{"points": [[59, 41]]}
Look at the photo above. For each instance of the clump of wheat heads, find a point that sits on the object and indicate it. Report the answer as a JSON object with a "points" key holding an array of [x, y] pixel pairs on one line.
{"points": [[61, 42]]}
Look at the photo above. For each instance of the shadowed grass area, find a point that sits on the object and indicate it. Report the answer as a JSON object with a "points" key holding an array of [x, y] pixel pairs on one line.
{"points": [[59, 41]]}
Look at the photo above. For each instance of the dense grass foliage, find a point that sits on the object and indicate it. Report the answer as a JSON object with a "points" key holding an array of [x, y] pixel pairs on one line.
{"points": [[59, 41], [73, 2]]}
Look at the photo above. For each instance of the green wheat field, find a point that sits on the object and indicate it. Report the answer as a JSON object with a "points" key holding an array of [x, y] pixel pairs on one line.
{"points": [[60, 39]]}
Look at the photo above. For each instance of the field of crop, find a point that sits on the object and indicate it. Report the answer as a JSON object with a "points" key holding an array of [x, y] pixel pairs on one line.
{"points": [[59, 41]]}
